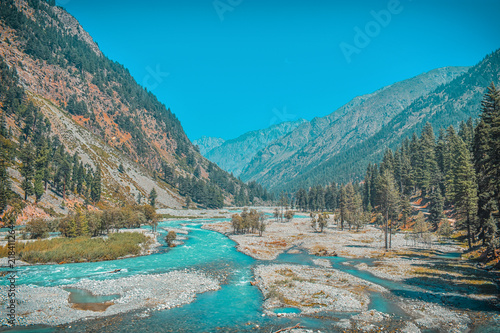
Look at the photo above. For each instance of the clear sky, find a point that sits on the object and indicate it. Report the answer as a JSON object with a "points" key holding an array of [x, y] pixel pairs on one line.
{"points": [[230, 66]]}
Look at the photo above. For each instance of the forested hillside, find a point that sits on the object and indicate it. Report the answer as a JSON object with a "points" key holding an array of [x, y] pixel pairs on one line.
{"points": [[43, 161], [95, 120], [449, 104], [285, 161], [457, 171]]}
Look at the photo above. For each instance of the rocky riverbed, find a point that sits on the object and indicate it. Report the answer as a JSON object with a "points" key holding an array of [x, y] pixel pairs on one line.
{"points": [[440, 290], [313, 289], [51, 305]]}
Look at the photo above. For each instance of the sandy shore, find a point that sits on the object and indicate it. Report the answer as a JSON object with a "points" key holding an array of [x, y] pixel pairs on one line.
{"points": [[51, 306]]}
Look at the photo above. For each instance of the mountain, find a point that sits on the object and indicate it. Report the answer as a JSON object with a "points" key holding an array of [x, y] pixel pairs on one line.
{"points": [[234, 155], [207, 143], [312, 143], [448, 104], [96, 110]]}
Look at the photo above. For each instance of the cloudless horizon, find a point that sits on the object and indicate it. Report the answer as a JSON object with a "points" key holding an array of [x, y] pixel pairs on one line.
{"points": [[231, 66]]}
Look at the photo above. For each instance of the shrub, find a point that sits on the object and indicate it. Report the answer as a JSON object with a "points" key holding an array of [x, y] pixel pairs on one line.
{"points": [[171, 236], [80, 249]]}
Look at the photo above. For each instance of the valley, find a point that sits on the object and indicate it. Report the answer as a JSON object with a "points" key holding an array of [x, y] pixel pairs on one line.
{"points": [[361, 287], [191, 203]]}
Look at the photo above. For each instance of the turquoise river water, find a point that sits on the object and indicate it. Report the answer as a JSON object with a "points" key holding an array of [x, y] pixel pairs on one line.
{"points": [[236, 307]]}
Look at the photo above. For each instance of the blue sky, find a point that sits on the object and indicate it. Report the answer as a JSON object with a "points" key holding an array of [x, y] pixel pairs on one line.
{"points": [[230, 66]]}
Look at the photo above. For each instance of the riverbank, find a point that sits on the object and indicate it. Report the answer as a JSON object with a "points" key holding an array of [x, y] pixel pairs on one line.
{"points": [[124, 243], [440, 290], [297, 290], [170, 213], [82, 249], [281, 236], [51, 305], [312, 289]]}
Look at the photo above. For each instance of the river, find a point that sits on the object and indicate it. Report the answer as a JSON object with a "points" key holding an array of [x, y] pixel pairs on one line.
{"points": [[236, 307]]}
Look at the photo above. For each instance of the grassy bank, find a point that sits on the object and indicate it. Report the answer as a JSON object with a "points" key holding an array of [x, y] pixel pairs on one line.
{"points": [[79, 249]]}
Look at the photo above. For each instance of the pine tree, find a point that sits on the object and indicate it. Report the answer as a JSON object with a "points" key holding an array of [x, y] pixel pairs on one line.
{"points": [[414, 152], [38, 188], [331, 197], [466, 133], [342, 205], [80, 181], [301, 199], [441, 149], [27, 169], [283, 203], [407, 176], [388, 198], [84, 227], [6, 148], [420, 225], [320, 197], [95, 188], [367, 194], [426, 165], [387, 162], [152, 197], [373, 185], [436, 209], [490, 231], [353, 210], [486, 150], [73, 228], [452, 145], [406, 209], [168, 173], [62, 175], [197, 172], [464, 189], [74, 176]]}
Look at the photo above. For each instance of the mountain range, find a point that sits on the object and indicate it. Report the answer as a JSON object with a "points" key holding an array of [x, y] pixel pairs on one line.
{"points": [[207, 143], [339, 146], [242, 149]]}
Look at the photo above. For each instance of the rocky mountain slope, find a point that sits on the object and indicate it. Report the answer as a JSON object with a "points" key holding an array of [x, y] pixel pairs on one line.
{"points": [[448, 104], [207, 143], [234, 155], [98, 110], [317, 141]]}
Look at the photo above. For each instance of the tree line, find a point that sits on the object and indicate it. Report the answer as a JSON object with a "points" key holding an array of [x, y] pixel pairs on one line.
{"points": [[249, 221], [44, 37], [457, 170], [41, 159], [92, 223]]}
